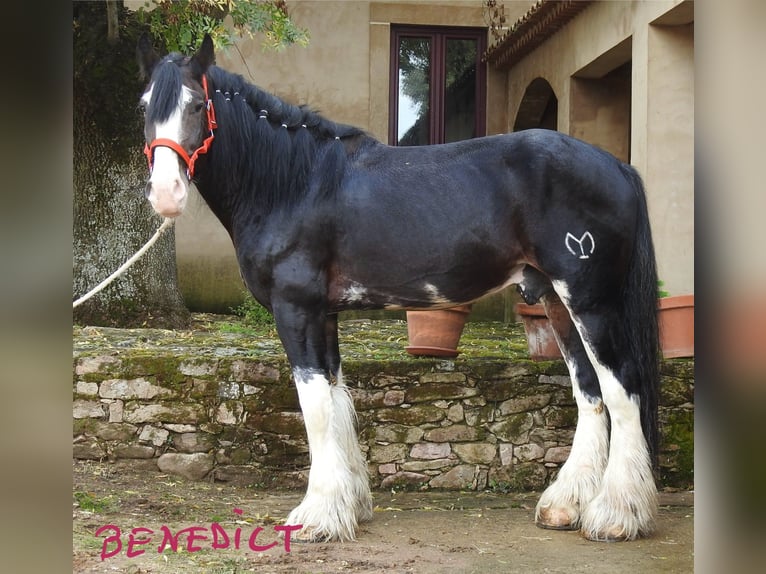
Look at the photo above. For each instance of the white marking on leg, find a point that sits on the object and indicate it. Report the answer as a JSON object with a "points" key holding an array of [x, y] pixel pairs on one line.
{"points": [[578, 481], [343, 405], [562, 290], [626, 504], [338, 495]]}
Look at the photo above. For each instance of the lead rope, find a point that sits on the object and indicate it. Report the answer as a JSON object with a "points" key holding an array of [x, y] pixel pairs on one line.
{"points": [[124, 267]]}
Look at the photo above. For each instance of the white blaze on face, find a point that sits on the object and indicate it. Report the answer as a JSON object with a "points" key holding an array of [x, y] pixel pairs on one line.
{"points": [[168, 185]]}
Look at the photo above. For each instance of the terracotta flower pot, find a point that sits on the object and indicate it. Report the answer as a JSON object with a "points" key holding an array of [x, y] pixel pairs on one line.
{"points": [[676, 319], [436, 333], [675, 316], [541, 341]]}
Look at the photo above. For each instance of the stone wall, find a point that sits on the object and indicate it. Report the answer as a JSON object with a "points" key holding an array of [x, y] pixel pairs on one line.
{"points": [[467, 424]]}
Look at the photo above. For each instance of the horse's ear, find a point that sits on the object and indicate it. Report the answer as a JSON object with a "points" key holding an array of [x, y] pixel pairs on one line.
{"points": [[147, 57], [205, 56]]}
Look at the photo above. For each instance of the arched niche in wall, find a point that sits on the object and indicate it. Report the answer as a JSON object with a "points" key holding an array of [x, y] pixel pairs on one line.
{"points": [[539, 107]]}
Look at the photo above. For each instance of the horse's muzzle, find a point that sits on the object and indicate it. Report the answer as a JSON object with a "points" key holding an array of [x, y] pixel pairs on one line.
{"points": [[168, 198]]}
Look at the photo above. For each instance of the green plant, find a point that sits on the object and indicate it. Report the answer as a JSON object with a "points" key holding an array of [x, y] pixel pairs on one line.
{"points": [[499, 487], [660, 291], [253, 314], [182, 25], [90, 503]]}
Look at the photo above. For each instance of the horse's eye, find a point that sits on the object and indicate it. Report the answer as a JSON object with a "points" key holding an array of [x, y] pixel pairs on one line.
{"points": [[198, 107]]}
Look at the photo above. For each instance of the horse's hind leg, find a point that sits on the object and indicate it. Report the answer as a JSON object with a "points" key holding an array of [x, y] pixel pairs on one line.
{"points": [[561, 505], [563, 502], [625, 505]]}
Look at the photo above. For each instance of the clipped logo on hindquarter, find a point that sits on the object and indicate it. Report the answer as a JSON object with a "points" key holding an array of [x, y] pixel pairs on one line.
{"points": [[583, 247]]}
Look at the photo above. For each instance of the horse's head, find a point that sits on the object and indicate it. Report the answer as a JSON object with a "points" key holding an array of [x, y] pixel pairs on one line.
{"points": [[178, 124]]}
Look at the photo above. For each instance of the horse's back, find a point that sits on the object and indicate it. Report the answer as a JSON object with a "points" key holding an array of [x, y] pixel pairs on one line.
{"points": [[514, 160], [530, 175]]}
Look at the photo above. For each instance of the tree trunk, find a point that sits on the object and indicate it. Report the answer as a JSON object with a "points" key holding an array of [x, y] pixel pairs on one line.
{"points": [[112, 219]]}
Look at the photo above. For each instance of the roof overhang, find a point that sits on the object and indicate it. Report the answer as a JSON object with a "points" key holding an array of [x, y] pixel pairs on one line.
{"points": [[540, 22]]}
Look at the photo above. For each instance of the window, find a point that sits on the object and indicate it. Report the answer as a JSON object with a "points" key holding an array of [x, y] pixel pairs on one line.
{"points": [[437, 85]]}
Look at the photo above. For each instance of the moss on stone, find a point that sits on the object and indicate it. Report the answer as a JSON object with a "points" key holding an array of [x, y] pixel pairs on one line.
{"points": [[412, 416], [276, 397], [162, 366], [513, 428], [677, 448], [274, 434], [561, 417], [525, 477], [435, 391], [83, 426], [675, 391], [283, 423], [500, 390], [240, 455], [367, 371]]}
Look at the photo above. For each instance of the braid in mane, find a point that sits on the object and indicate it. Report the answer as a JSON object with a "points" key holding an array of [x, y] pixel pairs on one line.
{"points": [[266, 149]]}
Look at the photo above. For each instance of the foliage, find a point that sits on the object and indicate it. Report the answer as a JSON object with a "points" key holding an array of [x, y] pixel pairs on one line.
{"points": [[660, 291], [88, 502], [254, 314], [182, 25]]}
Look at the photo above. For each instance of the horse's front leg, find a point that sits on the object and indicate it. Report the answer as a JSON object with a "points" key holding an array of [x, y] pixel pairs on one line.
{"points": [[344, 405], [338, 494]]}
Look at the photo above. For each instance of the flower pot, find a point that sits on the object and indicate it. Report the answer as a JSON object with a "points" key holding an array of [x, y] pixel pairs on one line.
{"points": [[676, 320], [541, 341], [436, 333]]}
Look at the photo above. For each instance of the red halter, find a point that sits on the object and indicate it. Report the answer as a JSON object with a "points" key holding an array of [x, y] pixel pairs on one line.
{"points": [[189, 161]]}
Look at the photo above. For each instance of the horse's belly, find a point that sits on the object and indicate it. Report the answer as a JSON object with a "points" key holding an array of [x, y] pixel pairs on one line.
{"points": [[427, 292]]}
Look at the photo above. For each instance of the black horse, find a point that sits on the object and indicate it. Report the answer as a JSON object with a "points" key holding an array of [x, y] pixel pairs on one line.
{"points": [[324, 218]]}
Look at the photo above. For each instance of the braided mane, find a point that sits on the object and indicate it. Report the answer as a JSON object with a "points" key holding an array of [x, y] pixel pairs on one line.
{"points": [[265, 148]]}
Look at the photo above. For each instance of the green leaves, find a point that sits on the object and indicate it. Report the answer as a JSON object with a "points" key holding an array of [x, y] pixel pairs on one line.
{"points": [[182, 25]]}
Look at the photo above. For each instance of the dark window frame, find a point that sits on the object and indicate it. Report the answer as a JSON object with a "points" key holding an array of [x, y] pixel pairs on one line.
{"points": [[439, 36]]}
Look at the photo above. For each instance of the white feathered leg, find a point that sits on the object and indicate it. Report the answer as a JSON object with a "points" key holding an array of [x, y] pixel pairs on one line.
{"points": [[578, 480], [346, 418], [338, 494], [626, 504]]}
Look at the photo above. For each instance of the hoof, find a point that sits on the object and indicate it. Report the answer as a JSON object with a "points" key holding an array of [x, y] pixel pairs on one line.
{"points": [[322, 522], [555, 519], [308, 535], [547, 526], [614, 534], [619, 519]]}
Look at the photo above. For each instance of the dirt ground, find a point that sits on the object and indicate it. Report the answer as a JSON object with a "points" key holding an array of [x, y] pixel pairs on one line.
{"points": [[421, 532]]}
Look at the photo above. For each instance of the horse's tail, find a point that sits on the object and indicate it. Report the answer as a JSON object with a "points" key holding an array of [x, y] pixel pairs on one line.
{"points": [[640, 297]]}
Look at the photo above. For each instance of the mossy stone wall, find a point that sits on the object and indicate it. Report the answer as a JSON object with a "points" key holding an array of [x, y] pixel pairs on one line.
{"points": [[465, 424]]}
